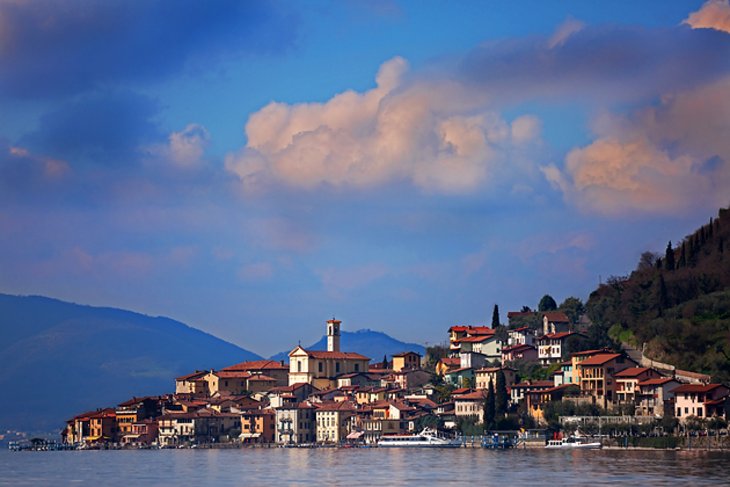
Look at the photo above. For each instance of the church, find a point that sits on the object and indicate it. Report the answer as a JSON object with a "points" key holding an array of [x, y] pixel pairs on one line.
{"points": [[320, 368]]}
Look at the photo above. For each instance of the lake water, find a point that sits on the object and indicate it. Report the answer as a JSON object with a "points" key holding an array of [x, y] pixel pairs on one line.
{"points": [[274, 467]]}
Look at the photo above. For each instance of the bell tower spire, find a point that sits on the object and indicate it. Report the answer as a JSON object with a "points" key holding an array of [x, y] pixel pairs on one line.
{"points": [[333, 335]]}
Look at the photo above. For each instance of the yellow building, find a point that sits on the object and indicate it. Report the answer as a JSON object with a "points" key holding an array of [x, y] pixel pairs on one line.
{"points": [[406, 360], [320, 368]]}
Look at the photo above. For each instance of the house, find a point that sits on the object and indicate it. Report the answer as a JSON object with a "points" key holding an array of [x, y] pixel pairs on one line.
{"points": [[333, 421], [406, 360], [627, 383], [269, 368], [487, 345], [579, 356], [103, 426], [258, 426], [410, 378], [321, 368], [358, 379], [201, 426], [564, 375], [552, 347], [555, 322], [192, 383], [484, 375], [518, 352], [143, 433], [518, 392], [474, 360], [227, 383], [655, 397], [700, 400], [288, 395], [295, 424], [537, 399], [447, 364], [78, 428], [470, 404], [597, 376], [463, 377], [135, 410], [524, 335], [458, 333]]}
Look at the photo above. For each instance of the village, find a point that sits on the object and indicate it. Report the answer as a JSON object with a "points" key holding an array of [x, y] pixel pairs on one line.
{"points": [[533, 380]]}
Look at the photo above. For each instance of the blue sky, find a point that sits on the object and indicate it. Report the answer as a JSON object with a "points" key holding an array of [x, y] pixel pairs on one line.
{"points": [[254, 168]]}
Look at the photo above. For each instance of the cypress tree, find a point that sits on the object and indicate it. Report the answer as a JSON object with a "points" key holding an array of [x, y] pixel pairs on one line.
{"points": [[709, 229], [663, 295], [501, 399], [385, 361], [495, 317], [682, 257], [669, 257], [489, 407]]}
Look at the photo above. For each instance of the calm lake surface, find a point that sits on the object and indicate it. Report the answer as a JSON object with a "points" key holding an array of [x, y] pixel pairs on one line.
{"points": [[364, 467]]}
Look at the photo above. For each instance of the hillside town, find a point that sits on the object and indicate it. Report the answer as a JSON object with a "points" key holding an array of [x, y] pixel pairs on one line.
{"points": [[516, 378]]}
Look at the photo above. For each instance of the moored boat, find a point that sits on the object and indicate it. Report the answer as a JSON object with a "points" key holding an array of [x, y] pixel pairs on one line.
{"points": [[573, 442], [427, 438]]}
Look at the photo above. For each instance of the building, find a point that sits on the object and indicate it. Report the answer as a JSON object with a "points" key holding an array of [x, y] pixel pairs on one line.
{"points": [[552, 347], [192, 384], [555, 322], [627, 383], [523, 335], [458, 333], [518, 352], [655, 397], [296, 424], [597, 376], [447, 364], [201, 426], [700, 400], [537, 399], [258, 426], [269, 368], [470, 404], [519, 391], [485, 375], [333, 421], [406, 360], [321, 368]]}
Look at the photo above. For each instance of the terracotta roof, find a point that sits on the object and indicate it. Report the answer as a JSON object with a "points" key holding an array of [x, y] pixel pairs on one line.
{"points": [[599, 359], [716, 402], [591, 352], [556, 336], [450, 361], [258, 365], [403, 354], [631, 372], [517, 348], [494, 369], [537, 383], [324, 355], [472, 396], [522, 328], [517, 314], [195, 375], [656, 382], [695, 388], [556, 317], [473, 330], [261, 378], [336, 406], [461, 390], [474, 339]]}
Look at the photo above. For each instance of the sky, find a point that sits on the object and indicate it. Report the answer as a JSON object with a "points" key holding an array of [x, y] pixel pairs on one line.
{"points": [[256, 168]]}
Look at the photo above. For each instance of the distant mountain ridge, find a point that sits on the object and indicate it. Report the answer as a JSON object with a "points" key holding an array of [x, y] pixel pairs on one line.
{"points": [[60, 358], [373, 344]]}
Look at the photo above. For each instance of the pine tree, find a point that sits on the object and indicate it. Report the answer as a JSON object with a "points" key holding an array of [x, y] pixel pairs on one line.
{"points": [[669, 257], [385, 361], [495, 317], [547, 303], [489, 408], [502, 398]]}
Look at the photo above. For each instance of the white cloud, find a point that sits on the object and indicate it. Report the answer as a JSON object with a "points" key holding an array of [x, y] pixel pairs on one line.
{"points": [[564, 31], [714, 14], [435, 134], [186, 147]]}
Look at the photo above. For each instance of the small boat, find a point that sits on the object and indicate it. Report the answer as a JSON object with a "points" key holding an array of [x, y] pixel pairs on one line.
{"points": [[427, 438], [573, 442]]}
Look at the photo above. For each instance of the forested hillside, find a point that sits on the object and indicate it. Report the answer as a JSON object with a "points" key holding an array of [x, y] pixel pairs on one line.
{"points": [[676, 304]]}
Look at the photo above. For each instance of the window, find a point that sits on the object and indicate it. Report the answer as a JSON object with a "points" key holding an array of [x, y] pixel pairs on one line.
{"points": [[357, 367], [337, 367], [299, 365], [320, 366]]}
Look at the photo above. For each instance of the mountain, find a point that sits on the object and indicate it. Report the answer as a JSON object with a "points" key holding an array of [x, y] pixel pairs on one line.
{"points": [[675, 305], [373, 344], [59, 359]]}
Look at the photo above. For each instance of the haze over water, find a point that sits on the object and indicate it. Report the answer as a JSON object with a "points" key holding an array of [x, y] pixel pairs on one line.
{"points": [[365, 467]]}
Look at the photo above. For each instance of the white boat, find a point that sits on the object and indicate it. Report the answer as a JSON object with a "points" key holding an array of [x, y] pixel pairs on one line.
{"points": [[427, 438], [573, 442]]}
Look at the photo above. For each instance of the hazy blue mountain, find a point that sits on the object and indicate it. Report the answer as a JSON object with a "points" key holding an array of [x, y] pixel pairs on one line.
{"points": [[373, 344], [59, 358]]}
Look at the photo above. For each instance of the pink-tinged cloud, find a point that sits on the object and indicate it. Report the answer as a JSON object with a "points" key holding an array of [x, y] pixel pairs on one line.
{"points": [[258, 271], [437, 135], [564, 31], [339, 281], [186, 147], [663, 159], [714, 14]]}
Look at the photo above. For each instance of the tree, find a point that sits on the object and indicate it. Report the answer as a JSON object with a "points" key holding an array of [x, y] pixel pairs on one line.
{"points": [[669, 257], [547, 303], [682, 256], [385, 361], [573, 308], [501, 400], [495, 317], [489, 407]]}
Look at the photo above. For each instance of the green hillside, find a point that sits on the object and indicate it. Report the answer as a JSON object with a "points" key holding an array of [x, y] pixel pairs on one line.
{"points": [[675, 304]]}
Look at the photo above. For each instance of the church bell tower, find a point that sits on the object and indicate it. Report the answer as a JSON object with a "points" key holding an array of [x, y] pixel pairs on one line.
{"points": [[333, 335]]}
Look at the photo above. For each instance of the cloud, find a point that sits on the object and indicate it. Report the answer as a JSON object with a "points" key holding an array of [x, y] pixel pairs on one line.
{"points": [[184, 149], [339, 281], [50, 48], [664, 159], [714, 14], [564, 31], [434, 134], [22, 170]]}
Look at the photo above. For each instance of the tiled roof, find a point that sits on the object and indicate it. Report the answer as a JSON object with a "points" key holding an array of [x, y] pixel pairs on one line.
{"points": [[517, 348], [599, 359], [695, 388], [656, 382], [631, 372], [537, 383], [556, 316], [258, 365], [591, 352], [336, 406], [472, 396], [556, 336], [324, 355], [403, 354], [474, 339], [195, 375], [232, 374]]}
